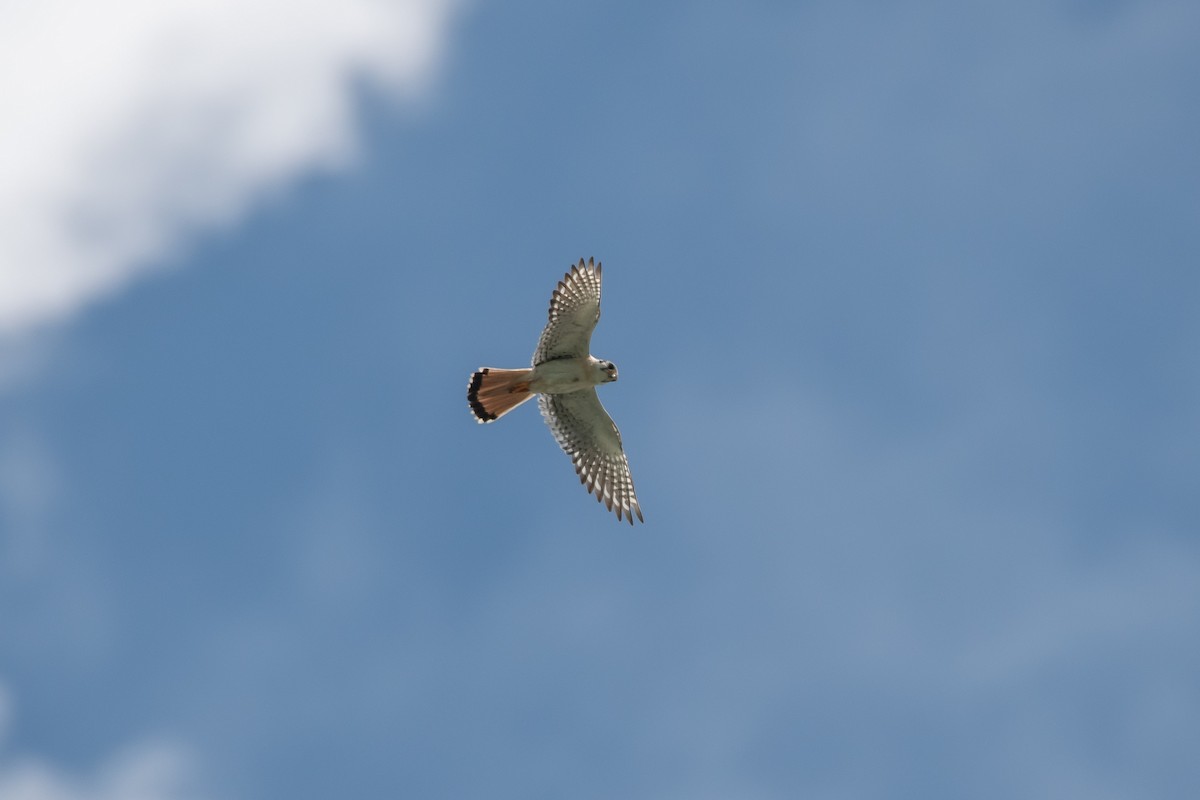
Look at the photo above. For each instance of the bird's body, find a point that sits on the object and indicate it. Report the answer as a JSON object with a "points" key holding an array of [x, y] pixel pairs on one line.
{"points": [[564, 375]]}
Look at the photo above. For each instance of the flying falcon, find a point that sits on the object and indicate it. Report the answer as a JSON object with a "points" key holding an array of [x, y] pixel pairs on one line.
{"points": [[564, 376]]}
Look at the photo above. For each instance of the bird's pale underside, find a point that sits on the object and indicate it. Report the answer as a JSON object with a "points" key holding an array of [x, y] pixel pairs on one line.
{"points": [[564, 375]]}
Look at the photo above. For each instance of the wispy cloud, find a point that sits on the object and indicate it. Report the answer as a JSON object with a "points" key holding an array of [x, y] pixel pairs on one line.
{"points": [[133, 124], [27, 490], [152, 770]]}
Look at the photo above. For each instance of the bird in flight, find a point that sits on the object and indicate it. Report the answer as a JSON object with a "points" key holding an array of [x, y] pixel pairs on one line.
{"points": [[564, 376]]}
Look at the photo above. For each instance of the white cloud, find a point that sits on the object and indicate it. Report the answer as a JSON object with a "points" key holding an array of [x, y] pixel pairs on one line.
{"points": [[131, 124]]}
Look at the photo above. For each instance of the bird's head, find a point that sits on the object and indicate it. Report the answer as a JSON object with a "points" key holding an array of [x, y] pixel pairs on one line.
{"points": [[608, 371]]}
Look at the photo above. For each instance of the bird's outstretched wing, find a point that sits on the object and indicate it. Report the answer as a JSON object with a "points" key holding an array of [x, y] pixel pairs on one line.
{"points": [[588, 435], [574, 312]]}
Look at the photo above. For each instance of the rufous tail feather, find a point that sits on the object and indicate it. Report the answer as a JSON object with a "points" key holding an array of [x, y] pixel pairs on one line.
{"points": [[492, 392]]}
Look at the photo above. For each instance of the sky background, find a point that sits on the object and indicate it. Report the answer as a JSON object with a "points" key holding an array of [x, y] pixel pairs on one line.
{"points": [[906, 303]]}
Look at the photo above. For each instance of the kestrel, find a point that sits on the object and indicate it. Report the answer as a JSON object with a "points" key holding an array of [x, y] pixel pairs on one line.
{"points": [[564, 376]]}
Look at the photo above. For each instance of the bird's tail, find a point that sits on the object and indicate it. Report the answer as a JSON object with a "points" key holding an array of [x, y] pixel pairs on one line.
{"points": [[493, 393]]}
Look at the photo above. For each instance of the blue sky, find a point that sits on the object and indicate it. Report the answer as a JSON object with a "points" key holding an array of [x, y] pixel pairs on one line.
{"points": [[905, 302]]}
